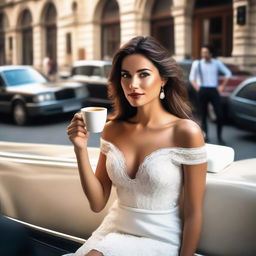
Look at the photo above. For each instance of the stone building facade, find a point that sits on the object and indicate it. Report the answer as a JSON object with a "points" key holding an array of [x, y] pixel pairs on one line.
{"points": [[69, 30]]}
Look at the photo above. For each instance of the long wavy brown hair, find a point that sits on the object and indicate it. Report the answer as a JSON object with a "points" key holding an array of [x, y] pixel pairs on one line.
{"points": [[175, 101]]}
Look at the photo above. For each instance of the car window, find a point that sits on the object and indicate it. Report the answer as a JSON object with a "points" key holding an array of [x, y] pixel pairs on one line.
{"points": [[86, 71], [186, 70], [248, 92], [107, 69], [18, 77]]}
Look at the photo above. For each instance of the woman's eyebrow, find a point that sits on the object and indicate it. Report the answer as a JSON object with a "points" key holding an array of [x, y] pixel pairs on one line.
{"points": [[139, 70]]}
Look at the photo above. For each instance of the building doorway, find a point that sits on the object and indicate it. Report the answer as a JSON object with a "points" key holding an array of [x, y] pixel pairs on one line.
{"points": [[213, 24], [162, 25], [50, 28], [110, 29], [26, 38]]}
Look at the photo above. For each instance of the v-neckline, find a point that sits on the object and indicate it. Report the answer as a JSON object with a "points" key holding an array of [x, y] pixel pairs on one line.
{"points": [[140, 164]]}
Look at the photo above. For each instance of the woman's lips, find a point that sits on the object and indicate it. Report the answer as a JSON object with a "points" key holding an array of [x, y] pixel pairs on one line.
{"points": [[135, 95]]}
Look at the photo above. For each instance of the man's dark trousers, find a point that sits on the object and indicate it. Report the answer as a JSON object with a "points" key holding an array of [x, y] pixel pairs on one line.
{"points": [[206, 95]]}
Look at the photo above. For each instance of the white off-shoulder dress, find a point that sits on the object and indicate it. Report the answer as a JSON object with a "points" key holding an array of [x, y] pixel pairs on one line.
{"points": [[144, 220]]}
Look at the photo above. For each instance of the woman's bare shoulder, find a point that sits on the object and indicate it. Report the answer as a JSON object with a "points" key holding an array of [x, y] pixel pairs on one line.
{"points": [[188, 134], [111, 129]]}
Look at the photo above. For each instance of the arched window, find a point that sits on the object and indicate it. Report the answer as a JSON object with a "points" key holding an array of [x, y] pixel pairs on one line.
{"points": [[213, 24], [110, 39], [162, 27], [26, 37], [50, 28]]}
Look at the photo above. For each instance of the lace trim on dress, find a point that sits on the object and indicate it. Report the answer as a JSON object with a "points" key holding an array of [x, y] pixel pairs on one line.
{"points": [[190, 155], [104, 146], [179, 155]]}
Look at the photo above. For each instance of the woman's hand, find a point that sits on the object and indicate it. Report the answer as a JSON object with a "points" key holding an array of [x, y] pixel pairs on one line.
{"points": [[77, 132]]}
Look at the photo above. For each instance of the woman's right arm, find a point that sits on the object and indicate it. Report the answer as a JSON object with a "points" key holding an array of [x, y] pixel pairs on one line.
{"points": [[96, 186]]}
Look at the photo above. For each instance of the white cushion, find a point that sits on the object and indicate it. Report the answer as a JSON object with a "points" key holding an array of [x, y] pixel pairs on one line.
{"points": [[219, 157]]}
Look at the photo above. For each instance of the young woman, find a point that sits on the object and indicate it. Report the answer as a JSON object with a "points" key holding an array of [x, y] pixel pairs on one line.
{"points": [[152, 153]]}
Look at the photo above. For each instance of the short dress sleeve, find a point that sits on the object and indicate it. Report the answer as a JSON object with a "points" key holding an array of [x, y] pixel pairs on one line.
{"points": [[190, 156]]}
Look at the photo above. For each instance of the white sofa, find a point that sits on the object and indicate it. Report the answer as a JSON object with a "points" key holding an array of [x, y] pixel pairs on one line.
{"points": [[34, 177]]}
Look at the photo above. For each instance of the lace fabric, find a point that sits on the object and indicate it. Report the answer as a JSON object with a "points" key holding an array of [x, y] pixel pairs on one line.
{"points": [[158, 179], [188, 156]]}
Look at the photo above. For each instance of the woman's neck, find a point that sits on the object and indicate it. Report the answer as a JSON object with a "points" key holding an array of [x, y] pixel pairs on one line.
{"points": [[152, 114]]}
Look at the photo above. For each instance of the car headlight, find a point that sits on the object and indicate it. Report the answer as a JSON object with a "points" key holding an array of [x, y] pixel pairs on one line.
{"points": [[81, 92], [44, 97]]}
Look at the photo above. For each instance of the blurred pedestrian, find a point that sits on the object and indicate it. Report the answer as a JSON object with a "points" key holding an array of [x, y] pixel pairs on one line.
{"points": [[204, 76], [52, 69], [45, 63]]}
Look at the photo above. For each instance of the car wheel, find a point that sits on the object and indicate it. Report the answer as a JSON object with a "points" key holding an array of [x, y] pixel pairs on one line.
{"points": [[20, 115]]}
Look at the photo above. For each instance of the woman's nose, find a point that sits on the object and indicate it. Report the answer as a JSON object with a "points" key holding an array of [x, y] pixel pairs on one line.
{"points": [[134, 83]]}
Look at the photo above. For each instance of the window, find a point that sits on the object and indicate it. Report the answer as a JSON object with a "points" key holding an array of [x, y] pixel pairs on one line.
{"points": [[68, 44], [26, 37], [107, 69], [162, 24], [86, 71], [49, 23], [10, 43], [248, 92], [110, 31]]}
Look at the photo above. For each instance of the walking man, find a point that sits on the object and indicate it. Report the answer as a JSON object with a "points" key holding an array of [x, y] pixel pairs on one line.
{"points": [[204, 76]]}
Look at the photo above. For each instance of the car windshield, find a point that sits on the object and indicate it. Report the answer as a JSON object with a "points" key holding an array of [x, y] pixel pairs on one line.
{"points": [[24, 76]]}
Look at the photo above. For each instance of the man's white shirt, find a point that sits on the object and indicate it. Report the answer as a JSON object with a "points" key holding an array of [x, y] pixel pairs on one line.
{"points": [[208, 77]]}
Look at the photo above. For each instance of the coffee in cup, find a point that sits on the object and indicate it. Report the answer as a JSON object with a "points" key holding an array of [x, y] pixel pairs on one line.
{"points": [[94, 118]]}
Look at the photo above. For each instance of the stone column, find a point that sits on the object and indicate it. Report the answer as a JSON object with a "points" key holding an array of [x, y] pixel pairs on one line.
{"points": [[182, 32], [244, 41], [37, 47], [93, 41], [16, 57], [130, 25]]}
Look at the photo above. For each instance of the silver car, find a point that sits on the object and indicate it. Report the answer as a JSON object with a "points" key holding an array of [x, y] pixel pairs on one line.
{"points": [[26, 93], [242, 105], [94, 75]]}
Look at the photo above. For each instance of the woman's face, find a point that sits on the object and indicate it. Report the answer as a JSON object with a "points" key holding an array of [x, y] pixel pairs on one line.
{"points": [[140, 80]]}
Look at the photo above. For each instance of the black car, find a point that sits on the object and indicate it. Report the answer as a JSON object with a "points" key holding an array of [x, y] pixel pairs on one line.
{"points": [[242, 105], [26, 93]]}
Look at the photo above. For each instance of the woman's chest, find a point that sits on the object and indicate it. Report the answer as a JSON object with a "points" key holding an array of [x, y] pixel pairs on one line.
{"points": [[139, 149], [157, 170]]}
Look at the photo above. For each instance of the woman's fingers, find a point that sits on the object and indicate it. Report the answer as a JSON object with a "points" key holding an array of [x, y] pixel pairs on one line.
{"points": [[74, 130], [78, 134], [76, 123], [77, 116]]}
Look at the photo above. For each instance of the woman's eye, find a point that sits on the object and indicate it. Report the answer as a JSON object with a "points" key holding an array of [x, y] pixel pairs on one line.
{"points": [[144, 74], [124, 75]]}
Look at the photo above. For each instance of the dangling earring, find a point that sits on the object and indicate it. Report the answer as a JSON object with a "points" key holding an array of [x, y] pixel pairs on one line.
{"points": [[162, 95]]}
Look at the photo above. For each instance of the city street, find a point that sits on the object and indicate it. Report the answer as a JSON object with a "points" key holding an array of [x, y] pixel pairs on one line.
{"points": [[53, 131]]}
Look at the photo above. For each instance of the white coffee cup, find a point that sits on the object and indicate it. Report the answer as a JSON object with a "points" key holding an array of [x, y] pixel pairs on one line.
{"points": [[94, 118]]}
